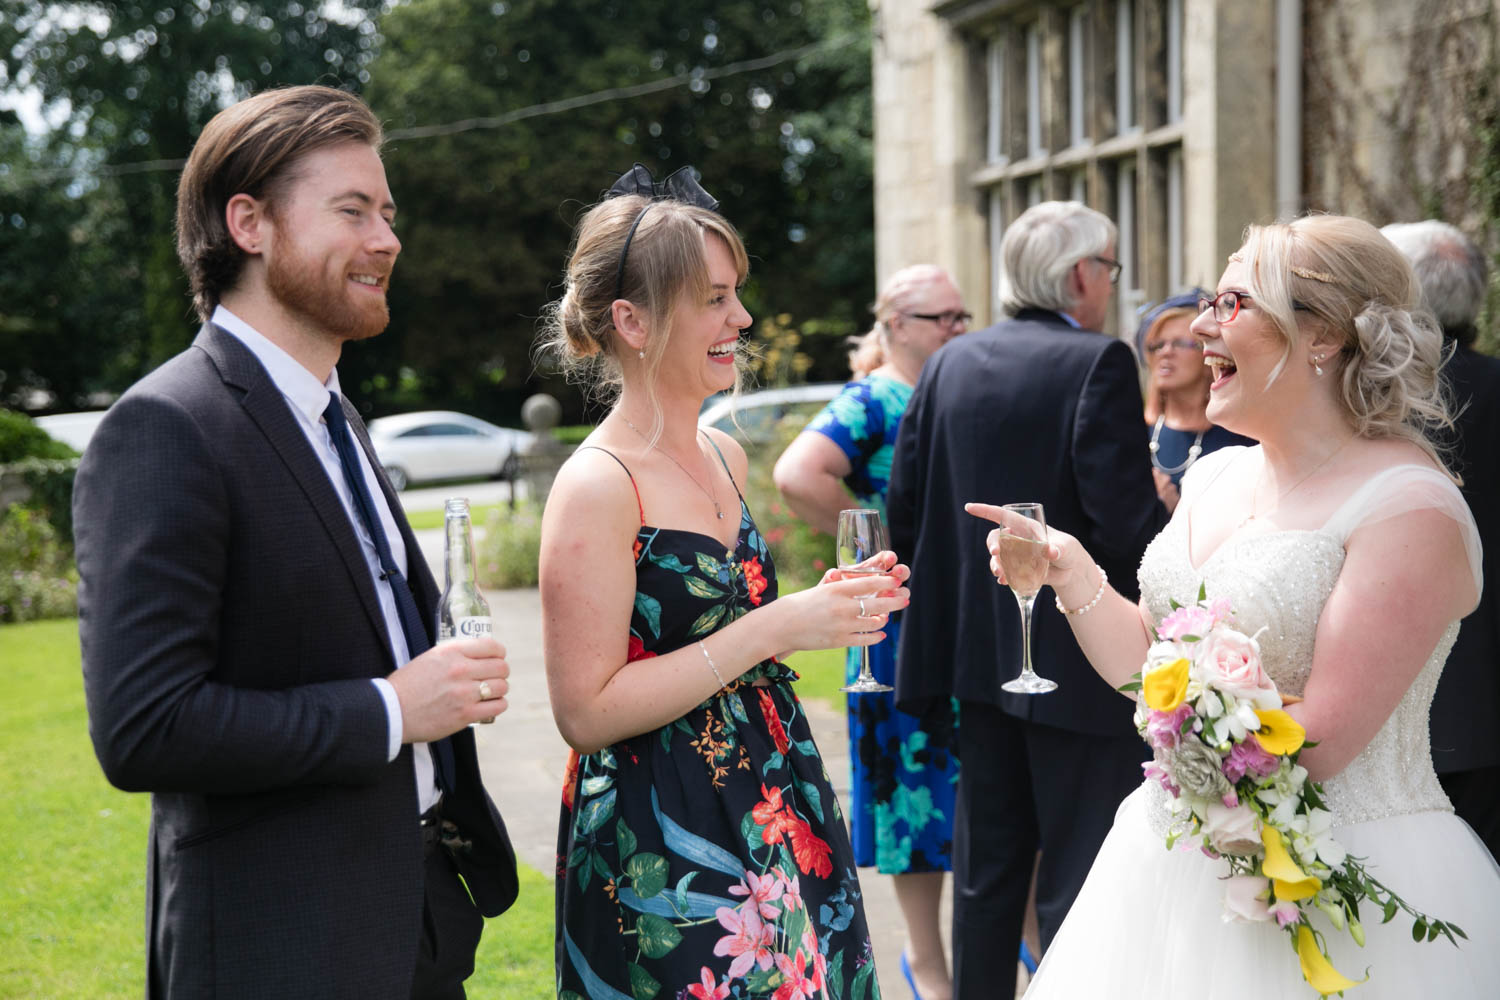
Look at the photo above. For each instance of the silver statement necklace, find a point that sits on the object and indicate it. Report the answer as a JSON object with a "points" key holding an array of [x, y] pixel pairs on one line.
{"points": [[1194, 450], [718, 511]]}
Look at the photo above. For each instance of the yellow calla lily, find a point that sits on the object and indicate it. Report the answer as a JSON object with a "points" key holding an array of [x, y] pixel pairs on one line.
{"points": [[1290, 882], [1279, 733], [1316, 969], [1166, 686]]}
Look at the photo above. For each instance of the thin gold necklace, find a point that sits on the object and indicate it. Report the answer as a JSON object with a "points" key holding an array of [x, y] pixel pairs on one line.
{"points": [[718, 511], [1288, 491]]}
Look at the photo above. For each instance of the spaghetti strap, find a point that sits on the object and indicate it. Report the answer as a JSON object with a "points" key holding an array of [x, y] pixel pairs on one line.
{"points": [[640, 508], [714, 445]]}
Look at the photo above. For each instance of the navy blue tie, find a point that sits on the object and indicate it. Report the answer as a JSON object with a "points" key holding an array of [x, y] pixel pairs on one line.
{"points": [[417, 641]]}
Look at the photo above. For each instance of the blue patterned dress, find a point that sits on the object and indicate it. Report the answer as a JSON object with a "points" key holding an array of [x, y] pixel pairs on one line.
{"points": [[905, 766], [708, 858]]}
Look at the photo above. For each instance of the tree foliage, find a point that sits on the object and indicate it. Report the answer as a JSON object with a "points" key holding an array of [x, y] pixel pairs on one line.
{"points": [[92, 295], [131, 84], [486, 214]]}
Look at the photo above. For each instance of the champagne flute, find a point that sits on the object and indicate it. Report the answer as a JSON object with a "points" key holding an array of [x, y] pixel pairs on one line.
{"points": [[1023, 556], [861, 538]]}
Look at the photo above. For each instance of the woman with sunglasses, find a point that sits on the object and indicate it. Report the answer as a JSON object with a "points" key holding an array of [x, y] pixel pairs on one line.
{"points": [[905, 768], [1342, 543], [1177, 394]]}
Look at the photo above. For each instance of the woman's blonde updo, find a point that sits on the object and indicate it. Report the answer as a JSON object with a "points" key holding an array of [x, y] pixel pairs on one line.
{"points": [[666, 263], [901, 293], [1343, 274]]}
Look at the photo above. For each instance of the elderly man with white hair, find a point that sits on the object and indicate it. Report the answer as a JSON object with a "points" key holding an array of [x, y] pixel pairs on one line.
{"points": [[1038, 408], [1465, 739]]}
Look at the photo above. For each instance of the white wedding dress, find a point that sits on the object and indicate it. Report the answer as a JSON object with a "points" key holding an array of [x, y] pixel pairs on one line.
{"points": [[1148, 922]]}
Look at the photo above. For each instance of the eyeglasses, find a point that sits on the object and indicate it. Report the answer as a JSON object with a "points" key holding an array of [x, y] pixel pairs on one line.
{"points": [[1226, 305], [944, 319], [1115, 267], [1182, 344]]}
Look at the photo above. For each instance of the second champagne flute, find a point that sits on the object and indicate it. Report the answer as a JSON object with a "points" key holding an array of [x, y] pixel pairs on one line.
{"points": [[861, 538], [1023, 556]]}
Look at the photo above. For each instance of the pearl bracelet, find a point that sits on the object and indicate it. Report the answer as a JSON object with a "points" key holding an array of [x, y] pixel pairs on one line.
{"points": [[711, 666], [1098, 596]]}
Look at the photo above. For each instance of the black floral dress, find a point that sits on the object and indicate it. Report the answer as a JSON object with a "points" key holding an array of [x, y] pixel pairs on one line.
{"points": [[708, 859]]}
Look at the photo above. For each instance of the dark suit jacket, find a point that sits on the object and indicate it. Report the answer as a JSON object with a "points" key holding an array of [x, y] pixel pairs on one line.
{"points": [[1464, 731], [1027, 410], [230, 629]]}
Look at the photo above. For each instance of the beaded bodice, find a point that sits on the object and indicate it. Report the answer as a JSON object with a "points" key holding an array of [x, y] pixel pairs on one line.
{"points": [[1280, 580]]}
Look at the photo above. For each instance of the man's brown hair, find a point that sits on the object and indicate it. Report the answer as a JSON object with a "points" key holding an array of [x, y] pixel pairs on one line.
{"points": [[253, 148]]}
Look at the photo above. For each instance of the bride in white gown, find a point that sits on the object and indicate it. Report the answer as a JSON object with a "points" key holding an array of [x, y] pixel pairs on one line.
{"points": [[1342, 536]]}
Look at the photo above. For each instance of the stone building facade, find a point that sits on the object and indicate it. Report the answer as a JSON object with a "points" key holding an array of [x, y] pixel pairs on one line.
{"points": [[1183, 120]]}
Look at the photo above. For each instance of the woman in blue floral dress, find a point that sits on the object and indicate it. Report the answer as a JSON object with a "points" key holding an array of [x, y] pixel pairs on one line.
{"points": [[905, 768], [701, 851]]}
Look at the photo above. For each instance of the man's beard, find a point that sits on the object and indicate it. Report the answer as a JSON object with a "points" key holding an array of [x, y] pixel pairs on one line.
{"points": [[302, 287]]}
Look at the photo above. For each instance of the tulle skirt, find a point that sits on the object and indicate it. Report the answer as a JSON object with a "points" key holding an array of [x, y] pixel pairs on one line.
{"points": [[1149, 923]]}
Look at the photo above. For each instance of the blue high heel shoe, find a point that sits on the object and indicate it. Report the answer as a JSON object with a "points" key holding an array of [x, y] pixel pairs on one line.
{"points": [[1027, 959], [906, 971]]}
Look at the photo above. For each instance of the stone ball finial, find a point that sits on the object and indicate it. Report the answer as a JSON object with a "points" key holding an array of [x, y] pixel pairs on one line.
{"points": [[540, 413]]}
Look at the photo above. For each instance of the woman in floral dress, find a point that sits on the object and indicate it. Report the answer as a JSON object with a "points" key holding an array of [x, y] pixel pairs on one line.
{"points": [[701, 850], [905, 768]]}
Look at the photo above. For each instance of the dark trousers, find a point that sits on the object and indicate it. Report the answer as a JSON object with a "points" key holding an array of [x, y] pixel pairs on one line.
{"points": [[1476, 798], [1024, 786], [451, 927]]}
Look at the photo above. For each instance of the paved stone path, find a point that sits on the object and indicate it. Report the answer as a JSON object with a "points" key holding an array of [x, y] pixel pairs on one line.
{"points": [[522, 757]]}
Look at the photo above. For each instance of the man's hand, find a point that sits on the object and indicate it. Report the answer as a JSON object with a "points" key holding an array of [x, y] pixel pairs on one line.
{"points": [[450, 686]]}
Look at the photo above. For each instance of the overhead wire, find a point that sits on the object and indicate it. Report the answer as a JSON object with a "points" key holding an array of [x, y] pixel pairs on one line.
{"points": [[48, 175]]}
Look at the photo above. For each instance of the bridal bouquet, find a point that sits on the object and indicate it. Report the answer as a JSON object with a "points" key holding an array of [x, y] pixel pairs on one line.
{"points": [[1227, 754]]}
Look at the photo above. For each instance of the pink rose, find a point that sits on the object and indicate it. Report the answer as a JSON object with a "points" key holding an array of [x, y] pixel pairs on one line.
{"points": [[1232, 831], [1245, 898], [1230, 662]]}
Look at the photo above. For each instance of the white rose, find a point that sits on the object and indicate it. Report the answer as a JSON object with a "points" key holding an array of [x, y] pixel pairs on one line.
{"points": [[1232, 831], [1245, 898], [1230, 661]]}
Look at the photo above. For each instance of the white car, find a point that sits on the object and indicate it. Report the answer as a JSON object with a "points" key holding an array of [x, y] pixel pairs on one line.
{"points": [[438, 444], [72, 429], [758, 413]]}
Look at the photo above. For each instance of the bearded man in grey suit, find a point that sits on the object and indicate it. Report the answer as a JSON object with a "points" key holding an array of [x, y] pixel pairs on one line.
{"points": [[256, 616]]}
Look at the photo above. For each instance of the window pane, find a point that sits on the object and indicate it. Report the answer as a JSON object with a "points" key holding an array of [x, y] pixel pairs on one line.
{"points": [[1034, 92], [1174, 60], [1124, 66], [995, 124], [1076, 131]]}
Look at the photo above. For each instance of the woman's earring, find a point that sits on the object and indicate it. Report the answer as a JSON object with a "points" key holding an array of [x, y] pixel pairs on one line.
{"points": [[643, 358], [1318, 365]]}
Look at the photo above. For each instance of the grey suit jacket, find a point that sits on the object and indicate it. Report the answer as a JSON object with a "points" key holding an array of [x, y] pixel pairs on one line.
{"points": [[230, 629]]}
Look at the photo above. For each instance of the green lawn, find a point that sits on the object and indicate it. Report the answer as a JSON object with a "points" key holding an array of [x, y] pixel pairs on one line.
{"points": [[422, 520], [73, 851], [822, 672]]}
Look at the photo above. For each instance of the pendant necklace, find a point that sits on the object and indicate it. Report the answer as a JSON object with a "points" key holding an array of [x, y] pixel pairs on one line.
{"points": [[718, 511], [1288, 492], [1194, 450]]}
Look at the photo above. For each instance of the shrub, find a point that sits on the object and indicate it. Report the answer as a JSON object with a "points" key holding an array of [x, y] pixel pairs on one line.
{"points": [[49, 483], [801, 552], [39, 580], [510, 547], [571, 434], [20, 438]]}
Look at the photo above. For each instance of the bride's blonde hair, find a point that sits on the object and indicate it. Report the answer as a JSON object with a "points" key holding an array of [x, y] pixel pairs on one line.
{"points": [[1346, 276]]}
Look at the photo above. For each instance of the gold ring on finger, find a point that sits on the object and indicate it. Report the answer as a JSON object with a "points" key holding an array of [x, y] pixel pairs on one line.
{"points": [[862, 612]]}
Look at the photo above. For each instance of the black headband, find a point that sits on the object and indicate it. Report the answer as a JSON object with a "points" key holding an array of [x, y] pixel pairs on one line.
{"points": [[679, 185]]}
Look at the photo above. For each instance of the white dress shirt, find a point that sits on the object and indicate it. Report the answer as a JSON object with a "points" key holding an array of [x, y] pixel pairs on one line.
{"points": [[308, 398]]}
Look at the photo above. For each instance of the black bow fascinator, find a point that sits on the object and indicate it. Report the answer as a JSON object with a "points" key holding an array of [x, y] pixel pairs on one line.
{"points": [[679, 185]]}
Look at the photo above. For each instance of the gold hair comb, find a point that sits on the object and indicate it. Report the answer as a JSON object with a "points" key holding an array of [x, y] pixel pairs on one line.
{"points": [[1311, 275]]}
